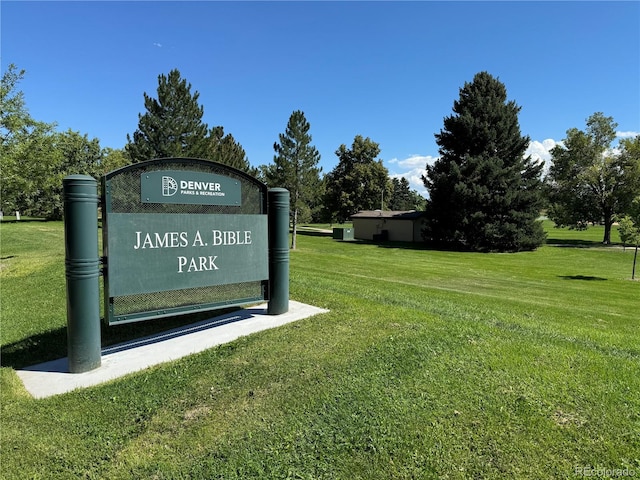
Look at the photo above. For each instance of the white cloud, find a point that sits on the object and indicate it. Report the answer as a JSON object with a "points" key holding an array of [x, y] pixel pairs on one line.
{"points": [[627, 134], [156, 44], [541, 151], [414, 177], [412, 168], [414, 161]]}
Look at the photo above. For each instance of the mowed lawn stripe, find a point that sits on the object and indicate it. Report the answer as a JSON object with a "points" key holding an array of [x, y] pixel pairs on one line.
{"points": [[429, 365]]}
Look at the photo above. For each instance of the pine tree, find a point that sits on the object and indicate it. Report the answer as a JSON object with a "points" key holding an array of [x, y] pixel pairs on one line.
{"points": [[295, 167], [172, 125], [484, 194], [224, 149], [401, 198]]}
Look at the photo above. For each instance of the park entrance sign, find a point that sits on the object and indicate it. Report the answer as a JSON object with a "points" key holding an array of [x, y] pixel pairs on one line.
{"points": [[179, 236], [182, 235]]}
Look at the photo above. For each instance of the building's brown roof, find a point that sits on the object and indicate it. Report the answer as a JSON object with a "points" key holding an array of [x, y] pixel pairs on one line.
{"points": [[395, 215]]}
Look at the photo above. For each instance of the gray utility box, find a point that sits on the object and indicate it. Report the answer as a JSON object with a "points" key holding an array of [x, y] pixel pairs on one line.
{"points": [[343, 233]]}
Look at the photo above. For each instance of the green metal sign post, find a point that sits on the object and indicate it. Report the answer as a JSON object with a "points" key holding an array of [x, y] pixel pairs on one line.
{"points": [[82, 271], [179, 235], [278, 251]]}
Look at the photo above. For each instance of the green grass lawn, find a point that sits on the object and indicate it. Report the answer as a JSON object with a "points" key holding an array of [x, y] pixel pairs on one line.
{"points": [[430, 364]]}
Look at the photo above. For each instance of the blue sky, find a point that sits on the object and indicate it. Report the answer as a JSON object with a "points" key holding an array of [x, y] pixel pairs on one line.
{"points": [[385, 70]]}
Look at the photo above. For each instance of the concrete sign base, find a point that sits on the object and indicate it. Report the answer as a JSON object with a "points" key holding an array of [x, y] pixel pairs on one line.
{"points": [[53, 378]]}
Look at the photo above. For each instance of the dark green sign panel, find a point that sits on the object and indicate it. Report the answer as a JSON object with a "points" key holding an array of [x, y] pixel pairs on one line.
{"points": [[187, 187], [182, 235], [160, 252]]}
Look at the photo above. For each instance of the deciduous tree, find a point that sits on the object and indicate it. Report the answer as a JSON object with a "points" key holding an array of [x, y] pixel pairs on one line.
{"points": [[629, 233], [28, 159], [629, 229], [589, 181], [40, 162], [15, 121], [359, 182], [112, 159], [34, 158], [485, 195]]}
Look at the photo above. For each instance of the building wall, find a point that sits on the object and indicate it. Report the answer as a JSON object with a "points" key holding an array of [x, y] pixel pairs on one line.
{"points": [[418, 226], [399, 230], [365, 228]]}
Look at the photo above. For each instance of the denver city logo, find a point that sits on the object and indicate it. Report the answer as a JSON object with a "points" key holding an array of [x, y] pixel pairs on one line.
{"points": [[188, 187], [169, 186]]}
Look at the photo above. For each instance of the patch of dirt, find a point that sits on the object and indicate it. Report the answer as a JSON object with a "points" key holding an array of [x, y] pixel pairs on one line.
{"points": [[196, 413], [565, 419]]}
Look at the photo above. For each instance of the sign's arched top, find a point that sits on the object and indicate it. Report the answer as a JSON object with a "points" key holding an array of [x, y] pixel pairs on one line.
{"points": [[191, 185], [182, 234]]}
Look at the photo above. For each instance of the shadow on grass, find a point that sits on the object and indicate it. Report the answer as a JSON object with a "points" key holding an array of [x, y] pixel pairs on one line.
{"points": [[52, 345], [424, 246], [571, 243], [36, 349], [24, 220], [560, 243], [406, 245], [387, 244], [582, 277], [552, 242], [314, 233], [418, 246]]}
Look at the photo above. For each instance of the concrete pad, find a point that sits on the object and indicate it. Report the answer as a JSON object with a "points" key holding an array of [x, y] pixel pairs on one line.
{"points": [[53, 378]]}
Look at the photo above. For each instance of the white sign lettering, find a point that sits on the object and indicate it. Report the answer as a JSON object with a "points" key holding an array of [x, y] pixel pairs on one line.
{"points": [[194, 185], [202, 264], [153, 240], [157, 240]]}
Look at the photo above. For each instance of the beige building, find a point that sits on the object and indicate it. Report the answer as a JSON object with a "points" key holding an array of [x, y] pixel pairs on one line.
{"points": [[384, 225]]}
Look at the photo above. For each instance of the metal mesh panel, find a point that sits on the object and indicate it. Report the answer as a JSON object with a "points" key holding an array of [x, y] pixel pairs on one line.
{"points": [[122, 194], [213, 295]]}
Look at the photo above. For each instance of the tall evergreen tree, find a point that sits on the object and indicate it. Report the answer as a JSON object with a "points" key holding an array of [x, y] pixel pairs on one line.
{"points": [[485, 195], [295, 167], [224, 149], [403, 198], [172, 125], [358, 182], [418, 202]]}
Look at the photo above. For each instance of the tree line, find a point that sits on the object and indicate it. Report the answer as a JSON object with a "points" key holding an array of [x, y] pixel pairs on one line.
{"points": [[35, 157], [484, 193]]}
